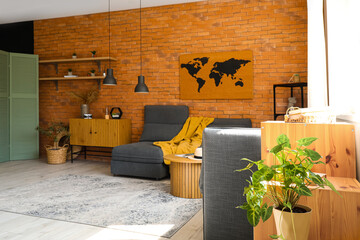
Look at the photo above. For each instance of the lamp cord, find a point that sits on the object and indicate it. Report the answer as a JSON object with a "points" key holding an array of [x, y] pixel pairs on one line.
{"points": [[109, 34], [140, 44]]}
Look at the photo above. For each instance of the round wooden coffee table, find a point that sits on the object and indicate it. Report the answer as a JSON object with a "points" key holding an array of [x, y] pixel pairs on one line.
{"points": [[184, 176]]}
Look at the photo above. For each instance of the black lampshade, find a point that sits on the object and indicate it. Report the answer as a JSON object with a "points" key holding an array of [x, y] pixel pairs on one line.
{"points": [[141, 86], [109, 79]]}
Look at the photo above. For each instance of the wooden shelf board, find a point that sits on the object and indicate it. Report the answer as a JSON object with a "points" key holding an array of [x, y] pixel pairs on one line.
{"points": [[70, 78], [78, 59]]}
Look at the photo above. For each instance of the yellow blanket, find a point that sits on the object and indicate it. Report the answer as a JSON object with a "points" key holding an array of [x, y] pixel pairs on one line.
{"points": [[188, 139]]}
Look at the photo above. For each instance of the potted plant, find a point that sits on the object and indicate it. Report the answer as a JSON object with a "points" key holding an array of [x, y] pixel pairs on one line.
{"points": [[69, 71], [93, 53], [92, 72], [74, 55], [283, 184], [86, 98], [55, 131]]}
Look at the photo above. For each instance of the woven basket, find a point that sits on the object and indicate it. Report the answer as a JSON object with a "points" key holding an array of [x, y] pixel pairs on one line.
{"points": [[309, 115], [56, 155]]}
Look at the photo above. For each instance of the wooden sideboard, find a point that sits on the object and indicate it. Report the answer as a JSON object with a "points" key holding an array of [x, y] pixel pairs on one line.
{"points": [[100, 132], [333, 217]]}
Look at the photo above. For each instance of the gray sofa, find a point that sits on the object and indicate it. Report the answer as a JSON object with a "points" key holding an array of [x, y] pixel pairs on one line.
{"points": [[222, 187], [143, 159], [161, 123]]}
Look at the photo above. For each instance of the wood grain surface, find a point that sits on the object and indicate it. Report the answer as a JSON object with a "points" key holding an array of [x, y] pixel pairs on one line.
{"points": [[335, 143], [100, 132], [333, 217], [184, 177]]}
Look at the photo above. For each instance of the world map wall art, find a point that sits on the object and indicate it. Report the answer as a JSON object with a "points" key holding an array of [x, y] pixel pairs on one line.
{"points": [[223, 75]]}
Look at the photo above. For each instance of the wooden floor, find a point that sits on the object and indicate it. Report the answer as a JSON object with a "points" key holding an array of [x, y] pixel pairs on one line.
{"points": [[17, 226]]}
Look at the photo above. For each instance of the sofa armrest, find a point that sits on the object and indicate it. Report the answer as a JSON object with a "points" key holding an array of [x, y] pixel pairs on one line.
{"points": [[222, 186]]}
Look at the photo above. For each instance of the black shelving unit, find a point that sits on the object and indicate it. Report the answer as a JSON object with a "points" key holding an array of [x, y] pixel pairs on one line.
{"points": [[301, 85]]}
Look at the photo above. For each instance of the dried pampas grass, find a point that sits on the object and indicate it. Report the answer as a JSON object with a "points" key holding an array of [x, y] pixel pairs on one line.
{"points": [[87, 97]]}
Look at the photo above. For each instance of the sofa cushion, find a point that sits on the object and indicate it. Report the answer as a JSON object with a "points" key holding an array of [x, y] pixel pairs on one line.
{"points": [[144, 152], [168, 114], [231, 122], [163, 122], [160, 131]]}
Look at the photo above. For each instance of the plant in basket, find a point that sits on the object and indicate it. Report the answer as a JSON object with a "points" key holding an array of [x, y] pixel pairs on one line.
{"points": [[283, 184], [56, 154]]}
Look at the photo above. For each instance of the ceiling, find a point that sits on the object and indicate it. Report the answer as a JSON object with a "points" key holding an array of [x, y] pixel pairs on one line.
{"points": [[27, 10]]}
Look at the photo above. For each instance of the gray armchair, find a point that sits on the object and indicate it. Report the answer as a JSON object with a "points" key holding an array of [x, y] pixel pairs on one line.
{"points": [[143, 159], [222, 187]]}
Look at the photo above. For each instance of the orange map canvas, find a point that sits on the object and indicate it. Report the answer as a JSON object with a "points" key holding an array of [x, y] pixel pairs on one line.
{"points": [[224, 75]]}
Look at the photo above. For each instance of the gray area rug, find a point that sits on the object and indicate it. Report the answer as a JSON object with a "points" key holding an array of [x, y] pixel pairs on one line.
{"points": [[137, 205]]}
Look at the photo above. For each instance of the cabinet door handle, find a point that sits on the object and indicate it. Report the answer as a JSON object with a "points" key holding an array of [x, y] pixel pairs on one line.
{"points": [[90, 132], [95, 132]]}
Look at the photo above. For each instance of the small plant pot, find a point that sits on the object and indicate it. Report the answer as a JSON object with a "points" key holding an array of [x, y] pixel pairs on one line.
{"points": [[93, 55], [74, 56], [284, 223], [92, 74], [70, 73]]}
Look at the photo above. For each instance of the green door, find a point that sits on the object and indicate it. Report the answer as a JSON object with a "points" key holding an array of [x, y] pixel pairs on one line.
{"points": [[4, 107], [24, 110]]}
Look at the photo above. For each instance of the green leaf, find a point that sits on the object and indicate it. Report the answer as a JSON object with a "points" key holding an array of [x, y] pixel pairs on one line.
{"points": [[303, 190], [300, 151], [312, 154], [316, 179], [266, 214], [319, 162], [265, 173], [257, 176], [246, 159], [268, 173], [329, 184], [277, 149], [245, 206], [288, 205], [287, 182], [306, 141], [274, 236], [297, 181], [284, 140], [253, 216], [249, 166]]}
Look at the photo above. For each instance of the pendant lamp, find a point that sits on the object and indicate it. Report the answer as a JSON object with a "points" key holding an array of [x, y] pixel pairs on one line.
{"points": [[141, 86], [109, 79]]}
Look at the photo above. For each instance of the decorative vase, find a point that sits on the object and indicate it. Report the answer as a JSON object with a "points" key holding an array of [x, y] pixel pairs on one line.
{"points": [[285, 225], [84, 110]]}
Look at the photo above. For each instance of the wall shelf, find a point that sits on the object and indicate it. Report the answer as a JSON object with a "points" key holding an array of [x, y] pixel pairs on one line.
{"points": [[55, 62], [71, 60], [56, 79], [77, 60], [301, 85], [70, 78]]}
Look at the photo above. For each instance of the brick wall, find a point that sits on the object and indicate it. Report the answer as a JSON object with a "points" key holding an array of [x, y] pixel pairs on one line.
{"points": [[275, 30]]}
